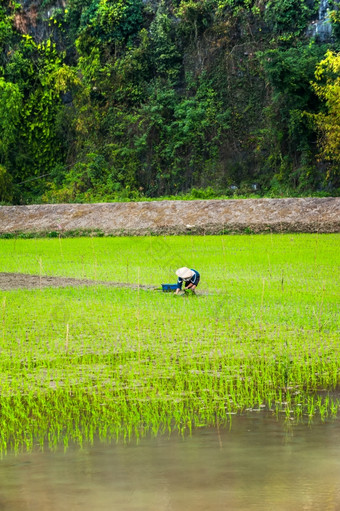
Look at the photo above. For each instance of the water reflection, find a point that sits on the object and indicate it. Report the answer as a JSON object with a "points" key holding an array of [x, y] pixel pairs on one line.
{"points": [[260, 464]]}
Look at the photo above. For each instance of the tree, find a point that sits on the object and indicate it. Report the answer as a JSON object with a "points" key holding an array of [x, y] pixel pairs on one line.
{"points": [[327, 87], [286, 142], [166, 57], [11, 100], [287, 15], [110, 24]]}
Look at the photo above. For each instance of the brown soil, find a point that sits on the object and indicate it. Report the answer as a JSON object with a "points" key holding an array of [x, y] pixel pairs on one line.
{"points": [[176, 217], [10, 281]]}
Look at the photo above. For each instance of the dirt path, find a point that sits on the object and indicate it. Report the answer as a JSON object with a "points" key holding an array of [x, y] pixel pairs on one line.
{"points": [[174, 217], [10, 281]]}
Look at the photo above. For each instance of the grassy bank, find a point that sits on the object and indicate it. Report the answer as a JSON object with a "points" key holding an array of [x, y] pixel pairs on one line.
{"points": [[262, 334]]}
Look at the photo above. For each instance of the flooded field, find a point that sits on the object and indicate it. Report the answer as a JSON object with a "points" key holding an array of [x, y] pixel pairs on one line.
{"points": [[119, 358], [117, 396], [259, 464]]}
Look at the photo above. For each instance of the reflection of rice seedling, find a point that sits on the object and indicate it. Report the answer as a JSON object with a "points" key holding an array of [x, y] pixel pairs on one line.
{"points": [[119, 362]]}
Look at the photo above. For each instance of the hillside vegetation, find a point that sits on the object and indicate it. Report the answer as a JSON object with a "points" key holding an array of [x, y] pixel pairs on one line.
{"points": [[104, 100]]}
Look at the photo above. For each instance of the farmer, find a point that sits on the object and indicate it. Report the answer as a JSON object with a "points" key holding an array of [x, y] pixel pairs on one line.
{"points": [[190, 277]]}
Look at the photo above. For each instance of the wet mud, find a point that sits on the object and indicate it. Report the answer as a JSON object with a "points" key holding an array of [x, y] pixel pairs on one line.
{"points": [[10, 281]]}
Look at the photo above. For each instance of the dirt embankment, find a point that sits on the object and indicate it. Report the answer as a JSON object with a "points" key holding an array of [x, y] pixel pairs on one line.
{"points": [[176, 217]]}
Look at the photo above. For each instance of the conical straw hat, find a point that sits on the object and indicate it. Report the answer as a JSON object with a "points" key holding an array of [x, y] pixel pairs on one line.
{"points": [[184, 273]]}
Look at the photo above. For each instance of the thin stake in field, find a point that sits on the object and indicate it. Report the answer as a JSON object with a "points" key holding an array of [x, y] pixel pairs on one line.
{"points": [[67, 335], [3, 318], [262, 298]]}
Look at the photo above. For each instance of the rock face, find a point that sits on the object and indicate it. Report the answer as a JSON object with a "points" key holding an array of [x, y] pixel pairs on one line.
{"points": [[32, 18], [177, 217], [322, 27]]}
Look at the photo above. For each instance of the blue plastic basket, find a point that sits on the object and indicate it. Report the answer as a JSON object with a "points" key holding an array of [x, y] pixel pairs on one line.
{"points": [[169, 287]]}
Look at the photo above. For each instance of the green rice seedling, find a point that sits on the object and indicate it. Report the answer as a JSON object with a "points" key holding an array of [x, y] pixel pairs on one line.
{"points": [[262, 334]]}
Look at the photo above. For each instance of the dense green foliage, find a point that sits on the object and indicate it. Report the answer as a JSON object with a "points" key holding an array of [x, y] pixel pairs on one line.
{"points": [[262, 332], [106, 99]]}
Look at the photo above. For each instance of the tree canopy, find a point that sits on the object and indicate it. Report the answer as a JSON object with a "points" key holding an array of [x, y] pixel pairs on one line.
{"points": [[132, 99]]}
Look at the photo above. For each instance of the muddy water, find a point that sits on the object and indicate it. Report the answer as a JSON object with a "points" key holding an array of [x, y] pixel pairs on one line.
{"points": [[259, 464]]}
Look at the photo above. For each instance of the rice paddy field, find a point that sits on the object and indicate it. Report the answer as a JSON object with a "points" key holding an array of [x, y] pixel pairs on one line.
{"points": [[121, 361]]}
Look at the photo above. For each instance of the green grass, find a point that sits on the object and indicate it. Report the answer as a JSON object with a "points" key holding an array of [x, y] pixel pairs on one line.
{"points": [[263, 333]]}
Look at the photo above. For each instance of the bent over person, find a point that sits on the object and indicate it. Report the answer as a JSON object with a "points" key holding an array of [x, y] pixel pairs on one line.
{"points": [[190, 277]]}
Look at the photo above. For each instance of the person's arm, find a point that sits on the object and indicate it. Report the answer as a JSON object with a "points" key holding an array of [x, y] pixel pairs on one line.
{"points": [[179, 285], [194, 278], [192, 283], [191, 286]]}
